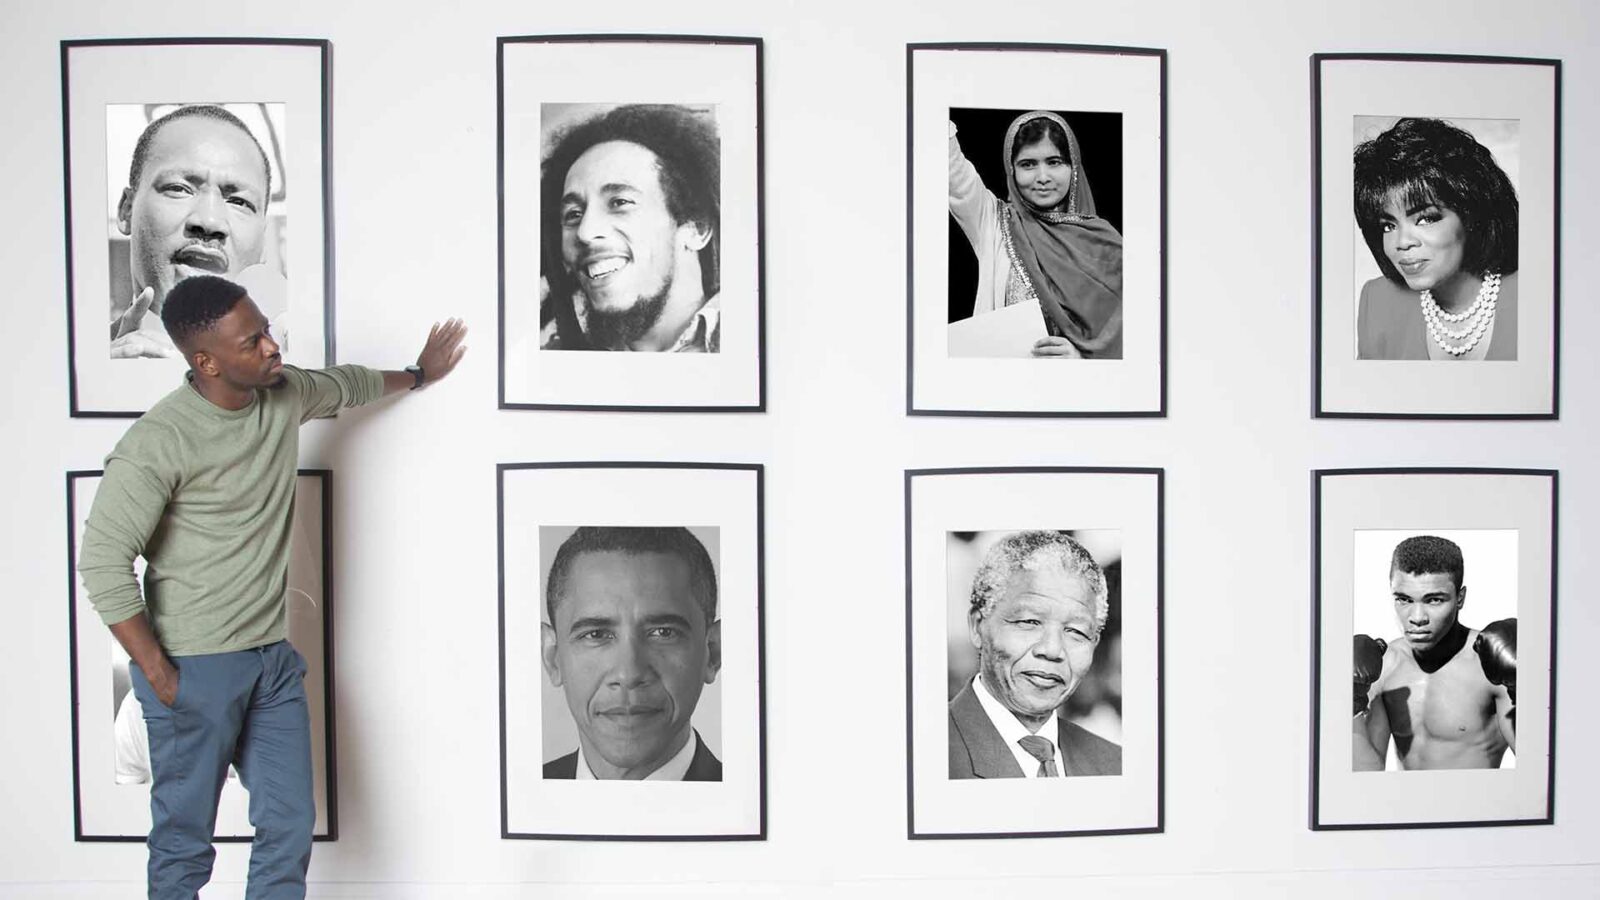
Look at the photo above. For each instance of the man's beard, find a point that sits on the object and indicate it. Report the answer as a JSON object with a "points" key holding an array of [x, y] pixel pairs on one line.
{"points": [[621, 328]]}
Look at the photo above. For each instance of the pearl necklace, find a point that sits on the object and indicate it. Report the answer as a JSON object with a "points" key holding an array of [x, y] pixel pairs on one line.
{"points": [[1477, 318]]}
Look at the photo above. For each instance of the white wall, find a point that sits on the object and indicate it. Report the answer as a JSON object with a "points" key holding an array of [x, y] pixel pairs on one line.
{"points": [[414, 484]]}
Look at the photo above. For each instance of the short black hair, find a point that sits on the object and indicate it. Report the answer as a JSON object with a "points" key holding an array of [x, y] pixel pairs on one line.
{"points": [[195, 304], [141, 150], [1426, 554], [1432, 161], [679, 542], [688, 160]]}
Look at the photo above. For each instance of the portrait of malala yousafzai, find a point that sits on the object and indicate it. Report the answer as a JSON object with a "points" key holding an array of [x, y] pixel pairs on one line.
{"points": [[169, 177], [1036, 230], [1438, 223], [631, 651]]}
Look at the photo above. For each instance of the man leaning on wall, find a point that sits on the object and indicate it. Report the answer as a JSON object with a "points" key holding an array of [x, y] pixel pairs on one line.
{"points": [[202, 486]]}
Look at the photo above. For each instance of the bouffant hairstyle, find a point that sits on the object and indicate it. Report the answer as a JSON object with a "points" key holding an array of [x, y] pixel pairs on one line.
{"points": [[1428, 161]]}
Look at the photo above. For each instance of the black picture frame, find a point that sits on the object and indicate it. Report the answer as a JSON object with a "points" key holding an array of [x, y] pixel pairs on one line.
{"points": [[1541, 404], [1152, 683], [149, 378], [1319, 643], [1152, 406], [330, 803], [754, 575], [753, 340]]}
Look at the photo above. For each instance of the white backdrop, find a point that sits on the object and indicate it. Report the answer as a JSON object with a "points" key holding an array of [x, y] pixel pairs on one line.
{"points": [[413, 488]]}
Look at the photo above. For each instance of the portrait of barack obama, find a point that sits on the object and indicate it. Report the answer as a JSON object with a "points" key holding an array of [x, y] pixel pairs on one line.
{"points": [[1037, 611], [630, 221], [631, 639]]}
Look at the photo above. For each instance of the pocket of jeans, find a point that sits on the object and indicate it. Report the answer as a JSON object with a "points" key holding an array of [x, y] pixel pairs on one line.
{"points": [[177, 692], [161, 725], [142, 687]]}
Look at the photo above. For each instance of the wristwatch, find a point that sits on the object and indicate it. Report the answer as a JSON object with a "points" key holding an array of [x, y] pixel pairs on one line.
{"points": [[417, 373]]}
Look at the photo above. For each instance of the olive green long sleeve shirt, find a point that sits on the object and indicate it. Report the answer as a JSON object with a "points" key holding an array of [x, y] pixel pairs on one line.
{"points": [[206, 496]]}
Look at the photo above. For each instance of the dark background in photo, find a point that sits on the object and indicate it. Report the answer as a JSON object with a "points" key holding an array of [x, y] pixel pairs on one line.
{"points": [[981, 132]]}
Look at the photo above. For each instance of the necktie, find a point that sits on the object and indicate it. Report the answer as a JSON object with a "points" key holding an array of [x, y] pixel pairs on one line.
{"points": [[1045, 752]]}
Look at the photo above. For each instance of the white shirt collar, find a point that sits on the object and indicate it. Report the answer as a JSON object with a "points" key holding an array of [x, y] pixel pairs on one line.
{"points": [[1012, 731], [672, 770]]}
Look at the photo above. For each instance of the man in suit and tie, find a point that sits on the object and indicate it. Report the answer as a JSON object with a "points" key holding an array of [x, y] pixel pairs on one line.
{"points": [[631, 639], [1038, 608]]}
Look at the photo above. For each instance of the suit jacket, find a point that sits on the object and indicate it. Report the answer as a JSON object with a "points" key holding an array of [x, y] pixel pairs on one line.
{"points": [[978, 751], [704, 766]]}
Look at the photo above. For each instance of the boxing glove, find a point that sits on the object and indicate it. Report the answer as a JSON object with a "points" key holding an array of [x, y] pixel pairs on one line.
{"points": [[1368, 666], [1497, 651]]}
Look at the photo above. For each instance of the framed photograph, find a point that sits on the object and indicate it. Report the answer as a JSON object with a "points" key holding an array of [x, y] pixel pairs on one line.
{"points": [[1036, 230], [1437, 212], [169, 176], [631, 220], [110, 747], [1033, 652], [631, 650], [1439, 730]]}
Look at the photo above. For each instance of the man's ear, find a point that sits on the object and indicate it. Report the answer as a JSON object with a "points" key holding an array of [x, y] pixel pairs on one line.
{"points": [[973, 621], [125, 211], [1461, 596], [713, 651], [694, 235], [547, 654], [203, 362]]}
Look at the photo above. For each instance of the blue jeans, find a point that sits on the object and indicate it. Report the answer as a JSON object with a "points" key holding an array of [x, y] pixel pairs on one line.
{"points": [[247, 708]]}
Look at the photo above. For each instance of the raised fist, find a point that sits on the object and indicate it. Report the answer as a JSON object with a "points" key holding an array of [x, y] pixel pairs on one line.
{"points": [[1368, 666]]}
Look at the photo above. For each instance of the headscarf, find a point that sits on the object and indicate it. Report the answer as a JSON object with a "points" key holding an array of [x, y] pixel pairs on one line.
{"points": [[1069, 258]]}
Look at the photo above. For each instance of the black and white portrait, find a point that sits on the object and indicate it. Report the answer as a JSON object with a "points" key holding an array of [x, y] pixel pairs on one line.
{"points": [[192, 189], [629, 205], [1033, 617], [1434, 677], [631, 645], [1434, 607], [1035, 654], [1030, 225], [168, 178], [630, 604], [630, 220], [112, 751], [1036, 230], [1436, 205], [1437, 218]]}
